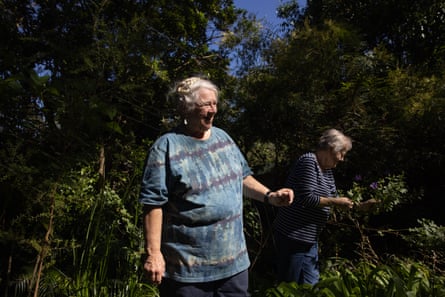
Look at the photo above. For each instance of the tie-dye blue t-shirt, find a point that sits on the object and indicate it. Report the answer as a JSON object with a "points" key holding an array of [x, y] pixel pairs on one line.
{"points": [[199, 185]]}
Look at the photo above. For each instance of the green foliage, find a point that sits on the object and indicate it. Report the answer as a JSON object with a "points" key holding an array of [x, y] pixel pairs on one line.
{"points": [[94, 249], [262, 157], [414, 32], [246, 43], [77, 75], [388, 191], [342, 278], [290, 99], [254, 230], [427, 236], [428, 241]]}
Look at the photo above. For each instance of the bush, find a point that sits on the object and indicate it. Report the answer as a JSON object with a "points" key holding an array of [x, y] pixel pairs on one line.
{"points": [[342, 278]]}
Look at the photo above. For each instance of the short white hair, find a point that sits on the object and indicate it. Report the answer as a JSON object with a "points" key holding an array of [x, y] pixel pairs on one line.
{"points": [[186, 92], [335, 140]]}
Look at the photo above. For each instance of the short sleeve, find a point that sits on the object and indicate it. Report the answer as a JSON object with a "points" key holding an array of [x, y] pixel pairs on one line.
{"points": [[154, 185]]}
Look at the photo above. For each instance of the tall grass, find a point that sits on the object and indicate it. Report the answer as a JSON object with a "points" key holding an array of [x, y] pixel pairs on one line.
{"points": [[102, 257]]}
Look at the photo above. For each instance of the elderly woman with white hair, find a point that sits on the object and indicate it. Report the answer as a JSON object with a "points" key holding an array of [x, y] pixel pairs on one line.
{"points": [[297, 227], [193, 184]]}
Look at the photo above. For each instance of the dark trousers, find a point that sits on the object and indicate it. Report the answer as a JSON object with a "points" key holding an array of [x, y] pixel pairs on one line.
{"points": [[296, 261], [234, 286]]}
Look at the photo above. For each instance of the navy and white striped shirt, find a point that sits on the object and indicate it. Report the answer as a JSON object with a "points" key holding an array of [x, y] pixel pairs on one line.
{"points": [[304, 219]]}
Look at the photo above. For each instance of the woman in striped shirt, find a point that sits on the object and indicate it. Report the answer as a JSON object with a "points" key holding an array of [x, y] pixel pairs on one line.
{"points": [[298, 226]]}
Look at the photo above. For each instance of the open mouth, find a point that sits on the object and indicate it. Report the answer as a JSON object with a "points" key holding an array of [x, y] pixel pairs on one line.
{"points": [[208, 119]]}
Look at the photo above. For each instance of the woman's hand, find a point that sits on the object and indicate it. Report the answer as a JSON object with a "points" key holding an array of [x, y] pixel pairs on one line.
{"points": [[343, 202], [368, 205], [154, 267], [282, 197]]}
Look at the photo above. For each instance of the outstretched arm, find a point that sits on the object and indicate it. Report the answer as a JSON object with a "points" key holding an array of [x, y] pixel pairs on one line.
{"points": [[253, 189], [342, 202]]}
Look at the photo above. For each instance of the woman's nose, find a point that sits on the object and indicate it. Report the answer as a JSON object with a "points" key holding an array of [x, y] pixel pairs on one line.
{"points": [[213, 107]]}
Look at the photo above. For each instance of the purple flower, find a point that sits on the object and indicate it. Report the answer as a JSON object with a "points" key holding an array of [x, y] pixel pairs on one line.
{"points": [[358, 177], [374, 186]]}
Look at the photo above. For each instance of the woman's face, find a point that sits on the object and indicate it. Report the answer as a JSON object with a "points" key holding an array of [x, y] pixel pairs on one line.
{"points": [[200, 119], [328, 159], [336, 157]]}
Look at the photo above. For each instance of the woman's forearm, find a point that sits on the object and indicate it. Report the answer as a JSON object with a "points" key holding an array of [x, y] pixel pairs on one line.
{"points": [[152, 229]]}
